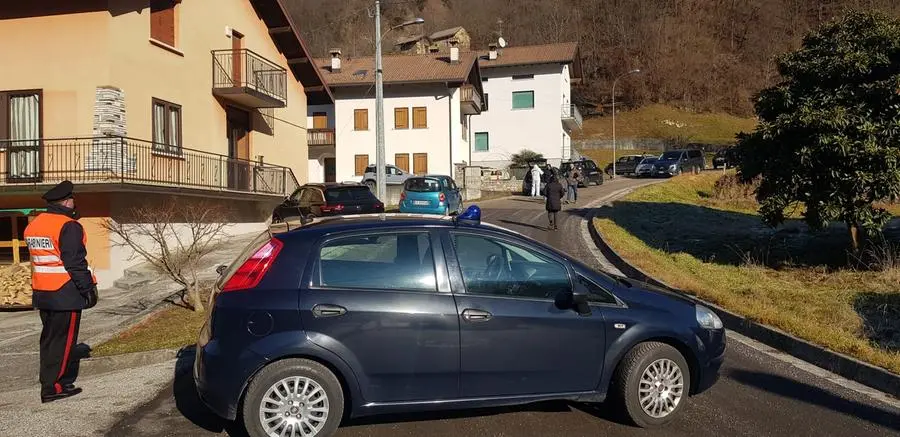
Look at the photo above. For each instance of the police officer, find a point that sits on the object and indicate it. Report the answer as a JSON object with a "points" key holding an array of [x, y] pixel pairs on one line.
{"points": [[63, 285]]}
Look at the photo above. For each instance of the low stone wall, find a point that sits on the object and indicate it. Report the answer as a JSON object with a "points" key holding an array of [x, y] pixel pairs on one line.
{"points": [[507, 185]]}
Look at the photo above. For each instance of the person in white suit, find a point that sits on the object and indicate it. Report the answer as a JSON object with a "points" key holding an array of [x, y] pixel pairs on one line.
{"points": [[536, 174]]}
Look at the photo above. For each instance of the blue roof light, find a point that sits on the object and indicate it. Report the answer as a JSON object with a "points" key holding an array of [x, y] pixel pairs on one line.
{"points": [[471, 214]]}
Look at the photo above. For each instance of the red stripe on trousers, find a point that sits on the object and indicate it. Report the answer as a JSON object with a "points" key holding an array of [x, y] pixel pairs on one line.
{"points": [[71, 334]]}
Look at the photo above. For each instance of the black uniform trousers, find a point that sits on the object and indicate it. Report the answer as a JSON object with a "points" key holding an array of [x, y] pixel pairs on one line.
{"points": [[58, 339]]}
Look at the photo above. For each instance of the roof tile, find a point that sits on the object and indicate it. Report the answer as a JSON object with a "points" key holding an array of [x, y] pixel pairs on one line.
{"points": [[429, 67]]}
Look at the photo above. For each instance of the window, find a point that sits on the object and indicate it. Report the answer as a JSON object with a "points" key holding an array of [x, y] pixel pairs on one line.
{"points": [[166, 127], [523, 76], [360, 119], [484, 103], [523, 99], [162, 21], [400, 261], [401, 160], [420, 118], [594, 292], [694, 154], [420, 163], [20, 122], [401, 118], [484, 79], [295, 196], [360, 164], [482, 142], [348, 194], [498, 268]]}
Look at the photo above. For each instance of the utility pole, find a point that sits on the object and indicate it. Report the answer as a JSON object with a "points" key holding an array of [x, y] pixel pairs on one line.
{"points": [[380, 164]]}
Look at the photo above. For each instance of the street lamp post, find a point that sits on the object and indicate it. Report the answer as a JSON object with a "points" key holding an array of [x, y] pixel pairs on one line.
{"points": [[380, 164], [613, 176]]}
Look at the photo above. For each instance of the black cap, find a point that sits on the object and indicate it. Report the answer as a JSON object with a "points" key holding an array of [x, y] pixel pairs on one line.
{"points": [[61, 191]]}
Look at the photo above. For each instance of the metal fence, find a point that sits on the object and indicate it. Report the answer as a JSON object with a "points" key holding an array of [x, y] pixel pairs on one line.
{"points": [[112, 159]]}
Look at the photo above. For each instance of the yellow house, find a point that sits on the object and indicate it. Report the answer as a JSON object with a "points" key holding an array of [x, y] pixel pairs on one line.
{"points": [[136, 101]]}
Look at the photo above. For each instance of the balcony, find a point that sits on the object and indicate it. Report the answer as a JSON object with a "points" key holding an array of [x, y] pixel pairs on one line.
{"points": [[248, 79], [117, 163], [571, 118], [470, 100], [320, 137]]}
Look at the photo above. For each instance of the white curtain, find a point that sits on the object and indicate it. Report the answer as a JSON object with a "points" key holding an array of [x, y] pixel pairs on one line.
{"points": [[159, 127], [25, 131], [174, 122]]}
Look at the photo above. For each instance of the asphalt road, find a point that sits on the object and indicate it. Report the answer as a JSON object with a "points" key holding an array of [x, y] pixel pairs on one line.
{"points": [[757, 395]]}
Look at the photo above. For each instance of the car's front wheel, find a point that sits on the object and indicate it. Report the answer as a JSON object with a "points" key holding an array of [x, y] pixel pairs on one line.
{"points": [[651, 384], [293, 397]]}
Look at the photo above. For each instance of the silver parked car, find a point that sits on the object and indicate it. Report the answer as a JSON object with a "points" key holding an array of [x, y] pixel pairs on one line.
{"points": [[393, 176]]}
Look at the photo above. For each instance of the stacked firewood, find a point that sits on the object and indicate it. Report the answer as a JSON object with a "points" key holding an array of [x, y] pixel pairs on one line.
{"points": [[15, 285]]}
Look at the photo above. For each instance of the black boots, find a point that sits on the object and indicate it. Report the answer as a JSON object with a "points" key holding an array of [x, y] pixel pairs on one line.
{"points": [[67, 392]]}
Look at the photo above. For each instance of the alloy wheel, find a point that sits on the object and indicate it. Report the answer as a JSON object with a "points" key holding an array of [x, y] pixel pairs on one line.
{"points": [[661, 388], [294, 407]]}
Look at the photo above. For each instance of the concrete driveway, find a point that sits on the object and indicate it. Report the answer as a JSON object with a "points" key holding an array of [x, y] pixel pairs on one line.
{"points": [[761, 393]]}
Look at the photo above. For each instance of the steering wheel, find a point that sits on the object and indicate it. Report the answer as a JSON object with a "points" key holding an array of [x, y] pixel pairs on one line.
{"points": [[494, 268]]}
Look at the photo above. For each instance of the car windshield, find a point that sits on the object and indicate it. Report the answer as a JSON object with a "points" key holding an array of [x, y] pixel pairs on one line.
{"points": [[345, 194], [648, 160], [671, 155], [422, 185]]}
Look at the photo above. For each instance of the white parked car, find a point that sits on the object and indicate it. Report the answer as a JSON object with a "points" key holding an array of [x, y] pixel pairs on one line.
{"points": [[393, 176]]}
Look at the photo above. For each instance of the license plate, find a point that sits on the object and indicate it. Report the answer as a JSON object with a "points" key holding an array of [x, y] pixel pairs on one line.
{"points": [[421, 202]]}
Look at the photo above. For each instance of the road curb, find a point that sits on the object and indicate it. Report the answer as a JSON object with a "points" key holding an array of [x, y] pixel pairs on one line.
{"points": [[100, 365], [835, 362]]}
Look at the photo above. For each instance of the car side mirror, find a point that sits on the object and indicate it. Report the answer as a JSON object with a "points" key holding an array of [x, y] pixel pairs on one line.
{"points": [[221, 269], [568, 300]]}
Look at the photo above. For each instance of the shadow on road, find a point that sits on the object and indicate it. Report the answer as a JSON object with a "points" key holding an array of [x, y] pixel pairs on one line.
{"points": [[188, 402], [792, 389]]}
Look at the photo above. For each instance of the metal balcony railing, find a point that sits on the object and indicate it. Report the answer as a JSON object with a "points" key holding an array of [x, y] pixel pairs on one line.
{"points": [[571, 113], [122, 160], [320, 137], [245, 69]]}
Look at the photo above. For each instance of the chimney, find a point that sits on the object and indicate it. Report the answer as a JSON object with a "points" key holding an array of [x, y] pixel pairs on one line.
{"points": [[454, 51], [492, 51], [335, 60]]}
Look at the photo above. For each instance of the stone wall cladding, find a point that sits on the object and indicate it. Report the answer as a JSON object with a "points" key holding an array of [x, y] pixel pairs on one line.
{"points": [[106, 155]]}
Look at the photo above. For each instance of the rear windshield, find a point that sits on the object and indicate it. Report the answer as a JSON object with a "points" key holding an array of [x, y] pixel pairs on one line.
{"points": [[422, 185], [346, 194]]}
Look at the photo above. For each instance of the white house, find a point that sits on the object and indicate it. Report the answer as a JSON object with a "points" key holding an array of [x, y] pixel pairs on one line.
{"points": [[527, 103], [429, 100]]}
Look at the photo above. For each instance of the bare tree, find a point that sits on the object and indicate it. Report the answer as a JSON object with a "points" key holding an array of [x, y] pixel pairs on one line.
{"points": [[174, 238]]}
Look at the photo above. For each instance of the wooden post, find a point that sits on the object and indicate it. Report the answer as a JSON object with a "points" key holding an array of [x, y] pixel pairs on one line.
{"points": [[15, 239]]}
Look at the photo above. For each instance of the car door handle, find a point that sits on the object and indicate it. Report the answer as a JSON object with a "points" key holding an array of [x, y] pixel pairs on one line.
{"points": [[322, 311], [476, 315]]}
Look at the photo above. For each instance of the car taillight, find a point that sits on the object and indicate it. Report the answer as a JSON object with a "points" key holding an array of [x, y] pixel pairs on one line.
{"points": [[254, 269], [403, 195], [335, 208], [442, 197]]}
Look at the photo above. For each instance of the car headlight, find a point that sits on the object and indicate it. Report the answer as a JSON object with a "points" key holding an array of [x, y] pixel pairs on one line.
{"points": [[672, 167], [707, 319]]}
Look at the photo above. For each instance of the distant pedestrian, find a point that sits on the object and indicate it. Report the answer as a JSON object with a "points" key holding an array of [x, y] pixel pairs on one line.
{"points": [[63, 286], [572, 179], [536, 174], [555, 192]]}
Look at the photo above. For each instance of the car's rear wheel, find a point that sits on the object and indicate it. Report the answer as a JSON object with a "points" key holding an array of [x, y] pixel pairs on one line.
{"points": [[651, 384], [293, 397]]}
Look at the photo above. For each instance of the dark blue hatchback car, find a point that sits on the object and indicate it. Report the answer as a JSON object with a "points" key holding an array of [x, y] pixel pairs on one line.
{"points": [[360, 315]]}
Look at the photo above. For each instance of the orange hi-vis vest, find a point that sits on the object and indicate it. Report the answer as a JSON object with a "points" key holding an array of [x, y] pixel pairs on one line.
{"points": [[42, 237]]}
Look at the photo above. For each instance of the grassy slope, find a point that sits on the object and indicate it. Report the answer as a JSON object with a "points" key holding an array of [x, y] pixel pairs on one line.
{"points": [[648, 122], [171, 328], [816, 303]]}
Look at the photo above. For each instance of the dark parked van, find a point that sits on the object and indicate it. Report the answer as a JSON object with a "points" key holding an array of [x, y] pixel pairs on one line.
{"points": [[676, 162]]}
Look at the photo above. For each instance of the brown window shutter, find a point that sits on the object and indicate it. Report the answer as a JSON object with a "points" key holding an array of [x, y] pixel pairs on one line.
{"points": [[4, 116], [162, 21], [401, 118], [420, 163], [361, 162], [361, 119], [401, 160], [420, 118]]}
